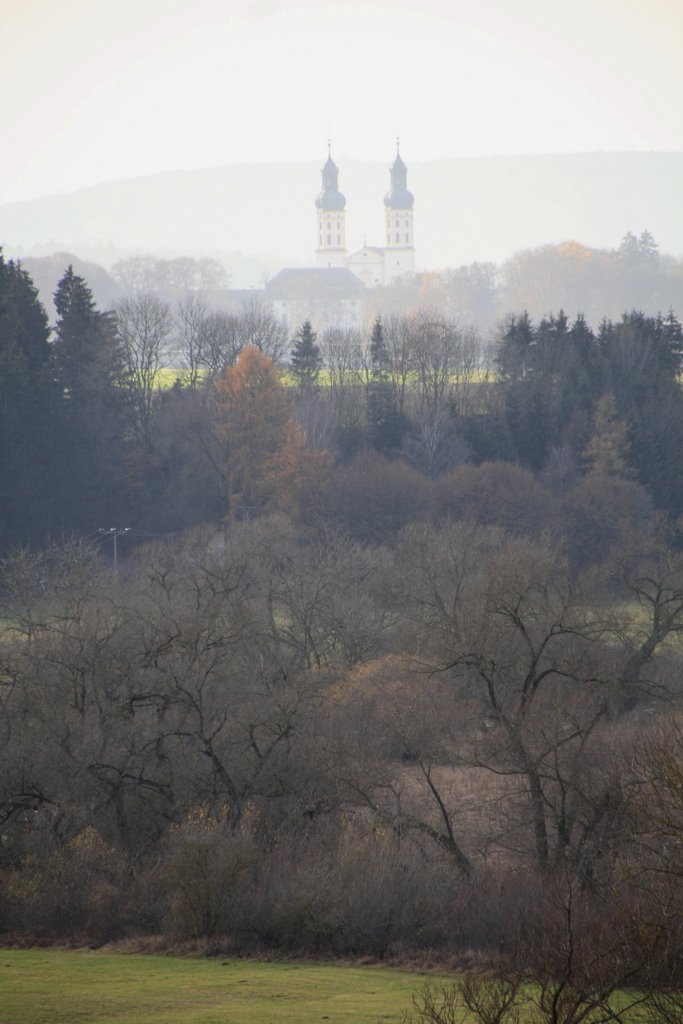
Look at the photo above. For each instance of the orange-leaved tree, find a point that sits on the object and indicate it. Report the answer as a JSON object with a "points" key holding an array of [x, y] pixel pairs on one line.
{"points": [[265, 461]]}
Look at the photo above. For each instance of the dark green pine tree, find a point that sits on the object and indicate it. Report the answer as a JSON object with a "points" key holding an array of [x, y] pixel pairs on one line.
{"points": [[89, 411], [516, 353], [520, 361], [306, 361], [24, 409], [642, 359], [386, 425], [672, 332]]}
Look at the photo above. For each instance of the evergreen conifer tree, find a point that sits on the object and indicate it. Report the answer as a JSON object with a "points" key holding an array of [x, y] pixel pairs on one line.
{"points": [[306, 361], [24, 409], [516, 352], [642, 363], [550, 378], [89, 409], [385, 423]]}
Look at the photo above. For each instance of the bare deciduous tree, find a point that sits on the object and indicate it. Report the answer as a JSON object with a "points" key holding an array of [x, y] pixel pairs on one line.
{"points": [[258, 326], [144, 324], [192, 337]]}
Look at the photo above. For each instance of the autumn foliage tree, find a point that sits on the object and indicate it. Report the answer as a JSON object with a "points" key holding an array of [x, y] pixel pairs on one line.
{"points": [[264, 456], [606, 453]]}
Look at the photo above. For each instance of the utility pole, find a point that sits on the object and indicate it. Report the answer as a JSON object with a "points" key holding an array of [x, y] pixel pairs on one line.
{"points": [[115, 532], [246, 511]]}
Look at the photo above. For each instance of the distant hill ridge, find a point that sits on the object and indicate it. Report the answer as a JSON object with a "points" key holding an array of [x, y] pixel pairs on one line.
{"points": [[465, 209]]}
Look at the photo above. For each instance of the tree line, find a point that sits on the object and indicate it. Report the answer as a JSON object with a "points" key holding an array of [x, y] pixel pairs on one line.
{"points": [[569, 275], [356, 430]]}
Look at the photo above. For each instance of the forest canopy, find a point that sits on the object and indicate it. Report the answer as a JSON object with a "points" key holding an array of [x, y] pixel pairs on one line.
{"points": [[94, 442], [388, 653]]}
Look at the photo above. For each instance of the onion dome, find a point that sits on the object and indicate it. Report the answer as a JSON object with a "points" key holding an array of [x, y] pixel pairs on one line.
{"points": [[330, 198], [398, 197]]}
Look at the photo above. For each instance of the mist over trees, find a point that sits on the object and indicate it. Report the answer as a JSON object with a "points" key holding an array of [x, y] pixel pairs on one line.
{"points": [[473, 209], [595, 282], [389, 658]]}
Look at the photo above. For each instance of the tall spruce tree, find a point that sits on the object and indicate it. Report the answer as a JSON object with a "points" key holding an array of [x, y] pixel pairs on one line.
{"points": [[642, 363], [550, 378], [524, 390], [89, 410], [24, 409], [386, 425], [306, 361]]}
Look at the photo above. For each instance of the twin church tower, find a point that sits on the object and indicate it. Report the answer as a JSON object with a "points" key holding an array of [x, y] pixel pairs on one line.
{"points": [[374, 266]]}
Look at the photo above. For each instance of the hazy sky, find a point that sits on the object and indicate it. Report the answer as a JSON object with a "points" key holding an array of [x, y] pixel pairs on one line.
{"points": [[95, 90]]}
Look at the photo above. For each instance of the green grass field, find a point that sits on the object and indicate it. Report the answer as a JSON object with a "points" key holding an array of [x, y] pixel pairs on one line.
{"points": [[84, 987], [166, 377]]}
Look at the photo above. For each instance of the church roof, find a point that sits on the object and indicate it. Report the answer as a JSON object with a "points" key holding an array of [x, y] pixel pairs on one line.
{"points": [[398, 197], [299, 281], [367, 250], [399, 164], [330, 198]]}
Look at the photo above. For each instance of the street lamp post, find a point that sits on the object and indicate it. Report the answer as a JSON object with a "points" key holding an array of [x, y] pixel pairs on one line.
{"points": [[115, 532], [246, 511]]}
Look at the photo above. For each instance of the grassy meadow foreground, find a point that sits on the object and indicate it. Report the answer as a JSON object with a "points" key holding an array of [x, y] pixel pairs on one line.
{"points": [[66, 987]]}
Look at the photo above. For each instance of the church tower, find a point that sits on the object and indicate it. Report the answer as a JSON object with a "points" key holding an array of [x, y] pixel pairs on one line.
{"points": [[399, 254], [331, 209]]}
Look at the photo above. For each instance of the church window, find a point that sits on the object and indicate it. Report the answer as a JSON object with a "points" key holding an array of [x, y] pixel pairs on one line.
{"points": [[398, 237], [407, 237], [329, 239], [338, 239]]}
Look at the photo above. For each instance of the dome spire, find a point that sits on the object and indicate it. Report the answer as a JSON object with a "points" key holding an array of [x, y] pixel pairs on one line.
{"points": [[398, 196], [330, 198]]}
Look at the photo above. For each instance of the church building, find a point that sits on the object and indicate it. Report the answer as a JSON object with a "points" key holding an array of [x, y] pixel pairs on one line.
{"points": [[373, 265], [335, 290]]}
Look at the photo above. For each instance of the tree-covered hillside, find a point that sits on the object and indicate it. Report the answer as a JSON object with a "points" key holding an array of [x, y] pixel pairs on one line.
{"points": [[388, 654]]}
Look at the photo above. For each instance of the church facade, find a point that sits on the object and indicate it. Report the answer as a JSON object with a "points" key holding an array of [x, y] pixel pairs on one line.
{"points": [[374, 266], [335, 291]]}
